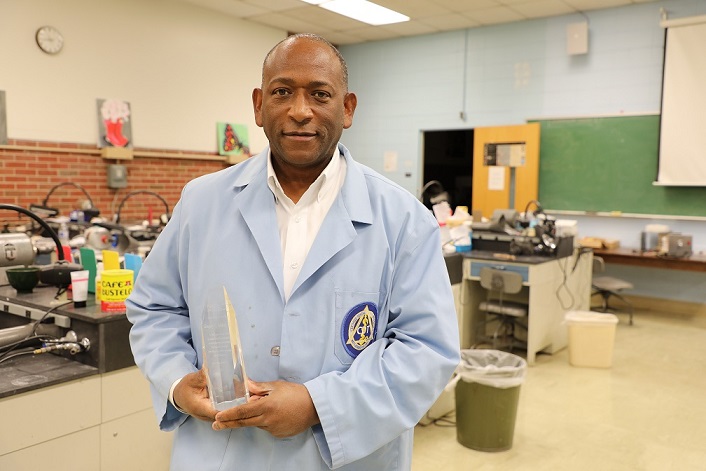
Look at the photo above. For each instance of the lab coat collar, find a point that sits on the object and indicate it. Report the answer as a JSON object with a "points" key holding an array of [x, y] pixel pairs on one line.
{"points": [[354, 187], [337, 231], [356, 197]]}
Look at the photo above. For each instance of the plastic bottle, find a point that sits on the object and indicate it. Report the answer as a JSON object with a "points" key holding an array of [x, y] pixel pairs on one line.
{"points": [[63, 233]]}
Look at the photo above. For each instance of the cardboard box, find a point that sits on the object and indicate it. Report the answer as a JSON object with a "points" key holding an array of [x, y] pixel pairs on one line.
{"points": [[599, 243]]}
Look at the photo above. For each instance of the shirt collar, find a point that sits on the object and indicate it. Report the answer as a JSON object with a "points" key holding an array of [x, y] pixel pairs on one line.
{"points": [[318, 189]]}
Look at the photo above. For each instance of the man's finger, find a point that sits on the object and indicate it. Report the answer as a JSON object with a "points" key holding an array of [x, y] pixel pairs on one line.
{"points": [[259, 389], [237, 423], [241, 412], [245, 415]]}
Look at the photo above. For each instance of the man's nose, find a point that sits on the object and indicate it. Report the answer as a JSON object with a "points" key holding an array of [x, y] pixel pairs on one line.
{"points": [[301, 108]]}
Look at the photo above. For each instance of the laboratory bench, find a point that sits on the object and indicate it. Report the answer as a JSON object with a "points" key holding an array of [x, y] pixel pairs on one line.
{"points": [[93, 408], [108, 333], [551, 287]]}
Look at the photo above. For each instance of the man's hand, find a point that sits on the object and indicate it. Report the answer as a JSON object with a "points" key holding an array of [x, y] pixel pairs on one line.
{"points": [[191, 395], [281, 408]]}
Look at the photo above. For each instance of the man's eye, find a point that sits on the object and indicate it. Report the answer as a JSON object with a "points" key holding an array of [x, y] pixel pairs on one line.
{"points": [[280, 92], [321, 95]]}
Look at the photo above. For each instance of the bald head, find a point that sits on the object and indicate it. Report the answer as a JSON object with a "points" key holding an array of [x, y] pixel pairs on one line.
{"points": [[289, 40]]}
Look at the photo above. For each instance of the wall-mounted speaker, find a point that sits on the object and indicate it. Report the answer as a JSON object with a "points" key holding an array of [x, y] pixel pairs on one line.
{"points": [[577, 38]]}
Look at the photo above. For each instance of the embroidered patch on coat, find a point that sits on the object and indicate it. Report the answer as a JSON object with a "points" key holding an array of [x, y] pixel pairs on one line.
{"points": [[359, 327]]}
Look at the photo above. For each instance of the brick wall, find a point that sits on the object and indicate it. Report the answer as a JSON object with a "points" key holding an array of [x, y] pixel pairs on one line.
{"points": [[26, 177]]}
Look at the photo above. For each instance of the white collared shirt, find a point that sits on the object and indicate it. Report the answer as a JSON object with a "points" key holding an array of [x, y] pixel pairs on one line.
{"points": [[299, 223]]}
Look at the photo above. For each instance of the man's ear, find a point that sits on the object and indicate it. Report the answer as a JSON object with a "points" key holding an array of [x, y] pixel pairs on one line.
{"points": [[350, 101], [257, 105]]}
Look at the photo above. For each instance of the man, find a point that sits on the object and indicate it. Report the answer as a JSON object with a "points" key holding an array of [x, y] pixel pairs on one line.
{"points": [[336, 274]]}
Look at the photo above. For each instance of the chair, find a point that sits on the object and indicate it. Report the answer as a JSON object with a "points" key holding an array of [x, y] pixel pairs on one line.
{"points": [[607, 287], [506, 314]]}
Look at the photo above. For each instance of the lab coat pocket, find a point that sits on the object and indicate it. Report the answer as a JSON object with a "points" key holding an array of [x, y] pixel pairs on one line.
{"points": [[357, 321]]}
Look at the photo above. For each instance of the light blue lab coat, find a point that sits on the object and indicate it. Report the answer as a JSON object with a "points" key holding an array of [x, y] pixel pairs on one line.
{"points": [[378, 249]]}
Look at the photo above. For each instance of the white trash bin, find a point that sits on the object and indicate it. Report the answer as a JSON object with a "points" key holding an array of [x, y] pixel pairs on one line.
{"points": [[591, 338]]}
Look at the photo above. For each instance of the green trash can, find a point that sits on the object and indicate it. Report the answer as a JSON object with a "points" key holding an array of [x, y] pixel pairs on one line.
{"points": [[487, 395]]}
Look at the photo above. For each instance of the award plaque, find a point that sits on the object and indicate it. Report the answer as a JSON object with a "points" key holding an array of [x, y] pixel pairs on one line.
{"points": [[223, 354]]}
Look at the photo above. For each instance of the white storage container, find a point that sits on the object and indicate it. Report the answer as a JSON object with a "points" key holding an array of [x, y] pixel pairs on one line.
{"points": [[591, 338]]}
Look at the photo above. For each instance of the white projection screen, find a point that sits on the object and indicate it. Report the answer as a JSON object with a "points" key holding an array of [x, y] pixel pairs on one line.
{"points": [[682, 142]]}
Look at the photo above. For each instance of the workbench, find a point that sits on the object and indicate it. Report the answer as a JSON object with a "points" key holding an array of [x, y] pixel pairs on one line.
{"points": [[551, 287], [92, 409], [635, 257]]}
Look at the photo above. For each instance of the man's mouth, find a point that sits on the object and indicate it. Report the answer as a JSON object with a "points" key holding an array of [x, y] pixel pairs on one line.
{"points": [[300, 136]]}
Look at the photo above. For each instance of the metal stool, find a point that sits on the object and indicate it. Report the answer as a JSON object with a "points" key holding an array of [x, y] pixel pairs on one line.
{"points": [[499, 283]]}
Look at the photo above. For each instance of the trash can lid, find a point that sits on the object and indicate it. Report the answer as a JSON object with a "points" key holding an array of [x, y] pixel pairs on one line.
{"points": [[590, 317]]}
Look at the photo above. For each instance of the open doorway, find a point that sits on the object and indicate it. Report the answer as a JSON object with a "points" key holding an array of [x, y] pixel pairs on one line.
{"points": [[448, 159]]}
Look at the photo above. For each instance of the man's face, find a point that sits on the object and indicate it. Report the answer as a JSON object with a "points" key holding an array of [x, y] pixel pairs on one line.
{"points": [[303, 105]]}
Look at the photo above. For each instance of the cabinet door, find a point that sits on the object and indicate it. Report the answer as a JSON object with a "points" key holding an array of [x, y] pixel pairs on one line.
{"points": [[135, 442], [48, 413], [124, 391], [499, 186], [74, 452]]}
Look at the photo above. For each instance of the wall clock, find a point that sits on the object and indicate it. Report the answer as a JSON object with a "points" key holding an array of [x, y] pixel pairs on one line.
{"points": [[49, 39]]}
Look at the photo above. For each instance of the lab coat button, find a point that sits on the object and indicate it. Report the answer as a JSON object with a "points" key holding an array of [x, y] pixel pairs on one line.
{"points": [[274, 351], [294, 265]]}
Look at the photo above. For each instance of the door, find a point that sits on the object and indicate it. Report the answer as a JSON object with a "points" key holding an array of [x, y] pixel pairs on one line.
{"points": [[505, 167]]}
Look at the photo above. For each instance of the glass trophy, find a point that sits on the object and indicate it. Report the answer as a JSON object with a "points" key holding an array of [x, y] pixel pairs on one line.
{"points": [[222, 353]]}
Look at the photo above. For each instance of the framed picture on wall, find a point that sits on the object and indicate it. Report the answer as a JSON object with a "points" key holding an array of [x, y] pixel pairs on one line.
{"points": [[233, 139], [114, 124]]}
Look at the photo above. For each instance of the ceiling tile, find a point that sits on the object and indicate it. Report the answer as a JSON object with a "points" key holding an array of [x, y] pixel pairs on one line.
{"points": [[542, 8], [287, 23], [449, 22], [373, 33], [339, 38], [586, 5], [413, 8], [515, 2], [234, 8], [467, 5], [492, 16], [323, 17], [276, 5], [411, 28]]}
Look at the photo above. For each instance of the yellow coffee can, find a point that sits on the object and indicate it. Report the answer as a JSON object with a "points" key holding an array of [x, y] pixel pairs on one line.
{"points": [[116, 286]]}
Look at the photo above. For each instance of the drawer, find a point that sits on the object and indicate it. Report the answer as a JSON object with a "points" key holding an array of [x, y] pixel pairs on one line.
{"points": [[521, 269]]}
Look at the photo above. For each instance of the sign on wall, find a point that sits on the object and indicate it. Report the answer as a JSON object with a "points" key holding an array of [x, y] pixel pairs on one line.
{"points": [[233, 139], [114, 125]]}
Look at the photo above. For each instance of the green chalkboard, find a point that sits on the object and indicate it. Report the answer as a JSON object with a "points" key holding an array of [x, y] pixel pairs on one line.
{"points": [[608, 164]]}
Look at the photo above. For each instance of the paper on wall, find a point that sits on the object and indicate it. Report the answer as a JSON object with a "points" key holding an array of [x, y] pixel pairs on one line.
{"points": [[496, 178], [390, 161]]}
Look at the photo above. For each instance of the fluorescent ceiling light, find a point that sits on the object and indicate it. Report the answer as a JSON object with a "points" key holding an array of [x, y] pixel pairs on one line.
{"points": [[362, 10]]}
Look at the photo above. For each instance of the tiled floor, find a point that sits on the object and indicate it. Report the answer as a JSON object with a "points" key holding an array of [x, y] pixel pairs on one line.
{"points": [[647, 412]]}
